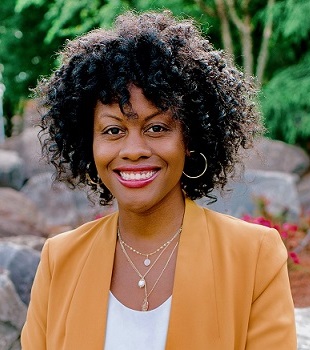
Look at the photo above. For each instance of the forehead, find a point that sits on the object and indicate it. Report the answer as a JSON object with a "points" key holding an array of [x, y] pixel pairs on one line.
{"points": [[138, 107], [109, 113], [138, 100]]}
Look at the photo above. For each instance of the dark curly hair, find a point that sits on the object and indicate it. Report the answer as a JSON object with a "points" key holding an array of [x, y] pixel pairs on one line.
{"points": [[178, 70]]}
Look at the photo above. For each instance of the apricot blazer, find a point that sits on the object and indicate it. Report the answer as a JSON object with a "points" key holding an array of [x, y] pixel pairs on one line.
{"points": [[231, 289]]}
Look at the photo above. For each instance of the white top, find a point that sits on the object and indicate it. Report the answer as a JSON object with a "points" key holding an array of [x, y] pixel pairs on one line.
{"points": [[129, 329]]}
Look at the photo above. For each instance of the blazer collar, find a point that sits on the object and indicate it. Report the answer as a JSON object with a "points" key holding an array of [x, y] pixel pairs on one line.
{"points": [[86, 321], [193, 319]]}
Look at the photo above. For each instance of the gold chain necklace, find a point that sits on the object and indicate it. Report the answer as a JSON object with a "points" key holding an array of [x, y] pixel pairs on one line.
{"points": [[145, 304], [147, 261], [142, 281]]}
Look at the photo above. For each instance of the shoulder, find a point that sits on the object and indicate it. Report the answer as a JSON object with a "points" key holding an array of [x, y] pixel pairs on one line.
{"points": [[232, 226], [237, 246], [82, 237], [228, 231]]}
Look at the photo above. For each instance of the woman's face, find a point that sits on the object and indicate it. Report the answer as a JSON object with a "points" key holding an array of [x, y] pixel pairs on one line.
{"points": [[140, 160]]}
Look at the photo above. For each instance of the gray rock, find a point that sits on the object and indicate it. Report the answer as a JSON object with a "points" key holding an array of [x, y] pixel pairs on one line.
{"points": [[302, 316], [279, 189], [18, 215], [273, 155], [12, 314], [28, 147], [11, 169], [16, 345], [30, 241], [8, 336], [12, 309], [22, 263], [56, 202], [61, 206], [303, 188]]}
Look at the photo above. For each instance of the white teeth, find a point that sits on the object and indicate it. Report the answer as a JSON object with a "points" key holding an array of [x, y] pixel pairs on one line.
{"points": [[135, 176]]}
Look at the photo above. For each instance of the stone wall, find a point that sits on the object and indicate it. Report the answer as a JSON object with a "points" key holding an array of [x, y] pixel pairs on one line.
{"points": [[273, 170]]}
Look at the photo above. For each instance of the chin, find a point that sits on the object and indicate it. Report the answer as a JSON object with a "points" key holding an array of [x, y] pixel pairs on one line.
{"points": [[138, 206], [134, 207]]}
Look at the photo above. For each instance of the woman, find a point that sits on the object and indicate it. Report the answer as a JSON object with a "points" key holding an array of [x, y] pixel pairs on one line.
{"points": [[150, 114]]}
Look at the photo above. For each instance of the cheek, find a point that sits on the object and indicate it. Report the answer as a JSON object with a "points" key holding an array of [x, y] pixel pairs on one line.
{"points": [[97, 154], [101, 154], [178, 154], [182, 148]]}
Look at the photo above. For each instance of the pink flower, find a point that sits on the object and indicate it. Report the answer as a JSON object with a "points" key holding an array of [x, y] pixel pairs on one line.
{"points": [[294, 257], [290, 227], [262, 221], [247, 218], [98, 216], [283, 234], [259, 220]]}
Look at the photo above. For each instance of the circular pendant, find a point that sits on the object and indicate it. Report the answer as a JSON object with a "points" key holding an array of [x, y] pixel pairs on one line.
{"points": [[141, 283], [147, 262]]}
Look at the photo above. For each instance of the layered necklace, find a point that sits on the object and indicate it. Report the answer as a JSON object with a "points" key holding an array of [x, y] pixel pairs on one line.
{"points": [[142, 281], [147, 260]]}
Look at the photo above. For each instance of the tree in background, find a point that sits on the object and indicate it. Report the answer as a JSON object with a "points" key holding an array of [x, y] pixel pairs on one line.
{"points": [[31, 31], [237, 20], [269, 38], [23, 54], [285, 97], [277, 34]]}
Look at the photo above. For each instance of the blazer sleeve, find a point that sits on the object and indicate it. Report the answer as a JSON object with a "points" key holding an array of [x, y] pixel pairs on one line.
{"points": [[272, 323], [34, 331]]}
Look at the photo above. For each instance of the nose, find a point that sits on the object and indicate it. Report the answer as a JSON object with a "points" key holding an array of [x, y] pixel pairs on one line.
{"points": [[134, 147]]}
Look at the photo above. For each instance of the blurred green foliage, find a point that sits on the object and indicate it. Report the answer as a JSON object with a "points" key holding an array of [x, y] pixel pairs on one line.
{"points": [[285, 95], [23, 54], [286, 103], [31, 31]]}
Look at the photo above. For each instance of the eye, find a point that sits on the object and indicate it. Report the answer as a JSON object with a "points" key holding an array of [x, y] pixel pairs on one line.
{"points": [[112, 131], [156, 128]]}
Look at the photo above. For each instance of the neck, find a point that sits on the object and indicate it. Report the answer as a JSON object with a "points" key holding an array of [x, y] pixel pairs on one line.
{"points": [[154, 226]]}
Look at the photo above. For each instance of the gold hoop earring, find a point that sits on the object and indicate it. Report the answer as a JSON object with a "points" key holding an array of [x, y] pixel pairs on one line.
{"points": [[204, 170]]}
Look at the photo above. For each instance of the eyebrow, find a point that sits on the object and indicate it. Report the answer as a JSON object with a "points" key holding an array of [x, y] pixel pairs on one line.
{"points": [[107, 115]]}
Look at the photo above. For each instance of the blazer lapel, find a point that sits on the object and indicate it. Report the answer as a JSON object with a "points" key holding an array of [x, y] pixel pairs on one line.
{"points": [[193, 319], [86, 321]]}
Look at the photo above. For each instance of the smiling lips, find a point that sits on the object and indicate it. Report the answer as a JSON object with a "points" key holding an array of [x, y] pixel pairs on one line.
{"points": [[136, 178]]}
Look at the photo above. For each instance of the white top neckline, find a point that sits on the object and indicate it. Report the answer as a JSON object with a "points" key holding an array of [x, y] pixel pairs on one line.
{"points": [[136, 330], [138, 311]]}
